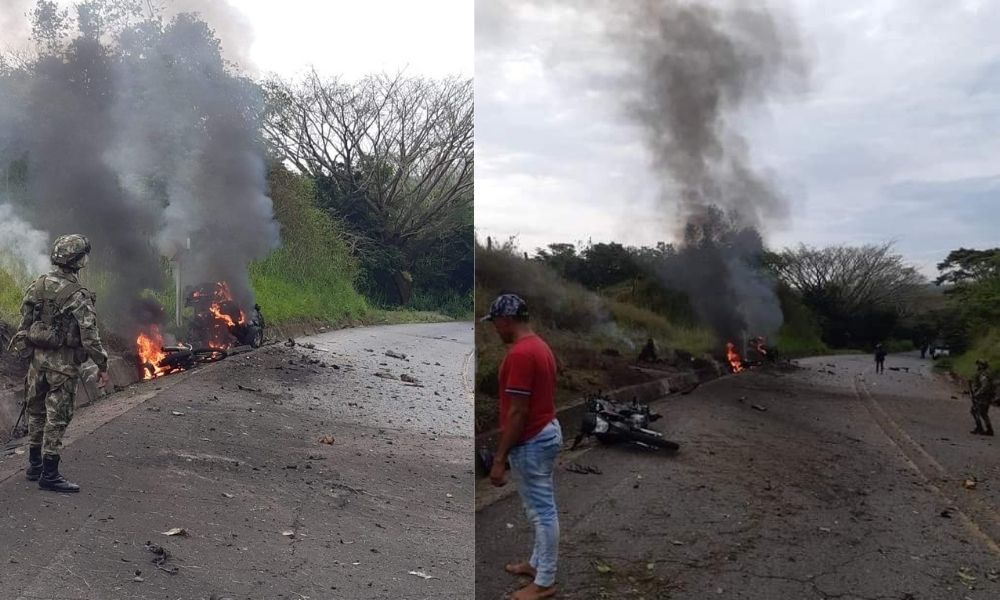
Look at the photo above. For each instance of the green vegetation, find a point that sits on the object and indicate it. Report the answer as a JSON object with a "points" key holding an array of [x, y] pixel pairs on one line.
{"points": [[10, 298], [312, 275], [800, 334], [392, 160], [596, 336], [970, 322]]}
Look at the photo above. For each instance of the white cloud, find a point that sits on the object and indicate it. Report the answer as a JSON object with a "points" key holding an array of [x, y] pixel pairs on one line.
{"points": [[341, 37]]}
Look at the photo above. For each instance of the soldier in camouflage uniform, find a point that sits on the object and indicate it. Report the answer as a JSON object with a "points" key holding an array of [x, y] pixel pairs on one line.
{"points": [[58, 331], [983, 393]]}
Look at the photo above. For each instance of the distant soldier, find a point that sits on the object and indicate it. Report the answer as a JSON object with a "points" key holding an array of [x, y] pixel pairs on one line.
{"points": [[58, 331], [880, 358], [648, 353], [983, 393]]}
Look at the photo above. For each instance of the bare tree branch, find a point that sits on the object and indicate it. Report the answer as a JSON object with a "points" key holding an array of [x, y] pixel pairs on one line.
{"points": [[402, 148]]}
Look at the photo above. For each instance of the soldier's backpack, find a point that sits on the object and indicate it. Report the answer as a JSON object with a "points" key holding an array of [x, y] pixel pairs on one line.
{"points": [[50, 327]]}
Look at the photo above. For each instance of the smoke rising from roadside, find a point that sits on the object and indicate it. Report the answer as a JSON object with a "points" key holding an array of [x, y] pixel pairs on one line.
{"points": [[142, 140], [23, 250], [696, 67]]}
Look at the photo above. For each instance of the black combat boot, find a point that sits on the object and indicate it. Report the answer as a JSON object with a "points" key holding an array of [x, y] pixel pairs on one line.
{"points": [[34, 470], [51, 479]]}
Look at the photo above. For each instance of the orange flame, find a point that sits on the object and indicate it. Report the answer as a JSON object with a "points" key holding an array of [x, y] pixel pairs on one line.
{"points": [[217, 321], [735, 362], [217, 312], [150, 347]]}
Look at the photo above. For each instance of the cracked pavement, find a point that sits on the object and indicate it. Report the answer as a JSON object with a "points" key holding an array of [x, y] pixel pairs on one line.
{"points": [[269, 510], [850, 486]]}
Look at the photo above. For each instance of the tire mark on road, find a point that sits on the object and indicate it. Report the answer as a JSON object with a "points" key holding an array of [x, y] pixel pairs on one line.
{"points": [[914, 455]]}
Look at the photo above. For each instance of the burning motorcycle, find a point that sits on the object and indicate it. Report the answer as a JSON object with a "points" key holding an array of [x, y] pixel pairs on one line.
{"points": [[611, 422], [218, 320]]}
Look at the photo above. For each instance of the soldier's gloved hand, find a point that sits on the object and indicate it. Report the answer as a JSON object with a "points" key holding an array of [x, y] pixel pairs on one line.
{"points": [[102, 379]]}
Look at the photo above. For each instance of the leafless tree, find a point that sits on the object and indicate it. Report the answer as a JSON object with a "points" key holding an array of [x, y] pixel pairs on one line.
{"points": [[854, 277], [398, 150]]}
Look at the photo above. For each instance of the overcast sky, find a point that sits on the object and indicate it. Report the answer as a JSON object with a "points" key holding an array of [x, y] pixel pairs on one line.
{"points": [[895, 137], [351, 38]]}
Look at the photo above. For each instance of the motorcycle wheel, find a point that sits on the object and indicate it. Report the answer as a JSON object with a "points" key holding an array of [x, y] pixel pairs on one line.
{"points": [[653, 440]]}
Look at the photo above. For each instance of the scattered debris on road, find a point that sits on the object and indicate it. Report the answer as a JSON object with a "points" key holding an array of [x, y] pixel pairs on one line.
{"points": [[408, 378], [327, 439], [160, 558], [290, 343], [177, 413], [583, 469], [758, 407], [248, 389], [970, 484], [288, 533], [393, 354], [176, 531], [421, 575]]}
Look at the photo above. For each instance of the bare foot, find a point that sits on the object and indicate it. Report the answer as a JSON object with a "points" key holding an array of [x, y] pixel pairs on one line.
{"points": [[533, 592], [520, 569]]}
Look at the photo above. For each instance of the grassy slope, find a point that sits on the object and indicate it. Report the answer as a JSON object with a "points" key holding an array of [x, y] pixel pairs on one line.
{"points": [[986, 347], [594, 337]]}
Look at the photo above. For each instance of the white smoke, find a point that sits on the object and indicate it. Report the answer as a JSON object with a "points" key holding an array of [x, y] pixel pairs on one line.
{"points": [[23, 249]]}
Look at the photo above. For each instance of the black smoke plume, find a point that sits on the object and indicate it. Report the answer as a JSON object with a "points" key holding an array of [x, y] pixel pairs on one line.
{"points": [[696, 66], [132, 129]]}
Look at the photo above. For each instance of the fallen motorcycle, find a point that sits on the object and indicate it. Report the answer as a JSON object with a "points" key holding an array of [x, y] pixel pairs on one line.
{"points": [[612, 422], [182, 357]]}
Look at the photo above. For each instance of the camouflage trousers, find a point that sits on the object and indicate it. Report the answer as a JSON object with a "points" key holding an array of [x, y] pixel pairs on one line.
{"points": [[50, 397], [981, 406]]}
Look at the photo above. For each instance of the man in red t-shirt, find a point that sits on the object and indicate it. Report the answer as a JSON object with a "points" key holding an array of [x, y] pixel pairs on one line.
{"points": [[530, 438]]}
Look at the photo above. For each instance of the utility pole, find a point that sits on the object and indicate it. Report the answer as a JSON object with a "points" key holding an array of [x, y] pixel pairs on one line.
{"points": [[178, 289]]}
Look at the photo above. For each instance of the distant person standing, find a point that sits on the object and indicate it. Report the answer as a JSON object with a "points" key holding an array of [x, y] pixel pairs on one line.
{"points": [[880, 358], [530, 438], [983, 392], [923, 351]]}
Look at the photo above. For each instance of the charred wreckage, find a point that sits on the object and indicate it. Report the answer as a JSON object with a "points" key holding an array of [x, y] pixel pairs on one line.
{"points": [[217, 328]]}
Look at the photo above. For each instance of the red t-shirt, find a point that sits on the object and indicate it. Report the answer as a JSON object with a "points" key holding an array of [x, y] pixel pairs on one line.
{"points": [[529, 371]]}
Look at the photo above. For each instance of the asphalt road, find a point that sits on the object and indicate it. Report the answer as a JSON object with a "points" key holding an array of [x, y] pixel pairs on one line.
{"points": [[231, 453], [849, 485]]}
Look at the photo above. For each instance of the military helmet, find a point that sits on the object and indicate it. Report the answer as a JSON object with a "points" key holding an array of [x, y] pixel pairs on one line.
{"points": [[68, 249]]}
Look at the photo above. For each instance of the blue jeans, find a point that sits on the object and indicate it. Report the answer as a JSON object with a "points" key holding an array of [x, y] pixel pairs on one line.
{"points": [[531, 465]]}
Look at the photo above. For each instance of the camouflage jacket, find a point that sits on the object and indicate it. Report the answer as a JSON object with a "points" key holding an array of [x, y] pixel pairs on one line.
{"points": [[983, 387], [82, 339]]}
